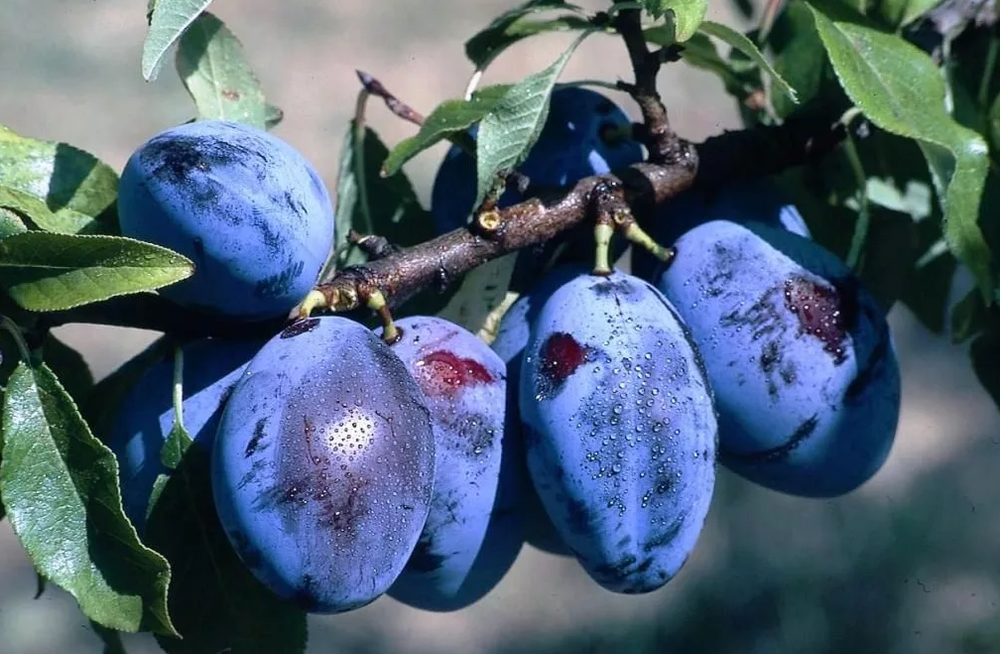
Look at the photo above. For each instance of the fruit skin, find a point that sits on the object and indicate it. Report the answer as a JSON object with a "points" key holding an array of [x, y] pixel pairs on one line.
{"points": [[473, 534], [762, 201], [569, 148], [798, 352], [324, 465], [621, 429], [511, 339], [248, 209], [145, 416]]}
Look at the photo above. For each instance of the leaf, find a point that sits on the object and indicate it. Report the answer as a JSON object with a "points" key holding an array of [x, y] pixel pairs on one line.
{"points": [[112, 639], [168, 21], [215, 602], [53, 272], [899, 88], [512, 126], [449, 117], [10, 223], [747, 47], [482, 290], [69, 366], [510, 27], [273, 116], [60, 489], [215, 72], [59, 187], [968, 317], [688, 15], [900, 13], [372, 204]]}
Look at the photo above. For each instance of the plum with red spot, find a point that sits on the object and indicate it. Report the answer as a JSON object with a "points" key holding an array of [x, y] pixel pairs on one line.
{"points": [[472, 534], [323, 466], [621, 429], [799, 355]]}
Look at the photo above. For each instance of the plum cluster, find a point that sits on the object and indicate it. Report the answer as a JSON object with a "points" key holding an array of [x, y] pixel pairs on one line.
{"points": [[345, 467]]}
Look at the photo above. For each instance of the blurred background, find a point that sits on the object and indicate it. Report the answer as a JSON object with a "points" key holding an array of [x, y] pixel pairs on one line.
{"points": [[909, 563]]}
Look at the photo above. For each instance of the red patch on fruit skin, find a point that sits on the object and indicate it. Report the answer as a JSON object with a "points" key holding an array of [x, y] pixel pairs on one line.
{"points": [[443, 373], [561, 355], [819, 312]]}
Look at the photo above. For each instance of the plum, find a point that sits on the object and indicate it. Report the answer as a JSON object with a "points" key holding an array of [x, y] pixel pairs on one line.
{"points": [[760, 201], [621, 430], [578, 140], [798, 353], [145, 416], [473, 534], [246, 207], [323, 465]]}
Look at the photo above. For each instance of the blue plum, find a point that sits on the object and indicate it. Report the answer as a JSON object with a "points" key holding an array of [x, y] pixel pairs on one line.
{"points": [[473, 534], [246, 207], [323, 465], [577, 141], [798, 353], [145, 416], [760, 201], [621, 429]]}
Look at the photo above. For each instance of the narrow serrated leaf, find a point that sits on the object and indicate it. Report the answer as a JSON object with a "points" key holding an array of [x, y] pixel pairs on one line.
{"points": [[10, 223], [747, 47], [52, 272], [214, 69], [687, 16], [168, 20], [58, 187], [60, 488], [69, 366], [510, 129], [273, 115], [449, 117], [482, 290], [369, 203], [900, 89], [487, 44]]}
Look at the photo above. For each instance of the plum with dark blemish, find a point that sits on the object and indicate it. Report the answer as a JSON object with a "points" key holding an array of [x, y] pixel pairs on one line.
{"points": [[760, 201], [145, 416], [585, 134], [798, 353], [323, 465], [473, 534], [246, 207], [622, 429], [511, 339]]}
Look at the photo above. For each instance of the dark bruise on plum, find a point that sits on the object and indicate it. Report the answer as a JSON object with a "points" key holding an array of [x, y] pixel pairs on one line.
{"points": [[325, 464], [624, 449], [472, 533]]}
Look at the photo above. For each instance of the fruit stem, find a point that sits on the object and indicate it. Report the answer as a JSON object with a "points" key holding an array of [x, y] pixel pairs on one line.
{"points": [[11, 328], [638, 235], [178, 387], [376, 302], [602, 234], [314, 300]]}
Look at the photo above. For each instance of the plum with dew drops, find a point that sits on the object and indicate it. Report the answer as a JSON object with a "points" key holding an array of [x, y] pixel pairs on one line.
{"points": [[324, 465], [621, 429], [473, 534], [246, 207], [798, 353], [585, 134], [145, 416]]}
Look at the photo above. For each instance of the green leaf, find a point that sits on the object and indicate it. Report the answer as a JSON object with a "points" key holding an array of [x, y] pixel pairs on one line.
{"points": [[900, 89], [747, 47], [59, 187], [168, 21], [372, 204], [53, 272], [69, 366], [112, 639], [60, 488], [688, 16], [449, 117], [482, 290], [512, 126], [10, 223], [273, 116], [214, 69], [900, 13], [511, 26], [215, 602], [968, 317]]}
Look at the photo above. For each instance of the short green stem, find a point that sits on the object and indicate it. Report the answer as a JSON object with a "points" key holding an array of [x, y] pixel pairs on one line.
{"points": [[602, 234]]}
